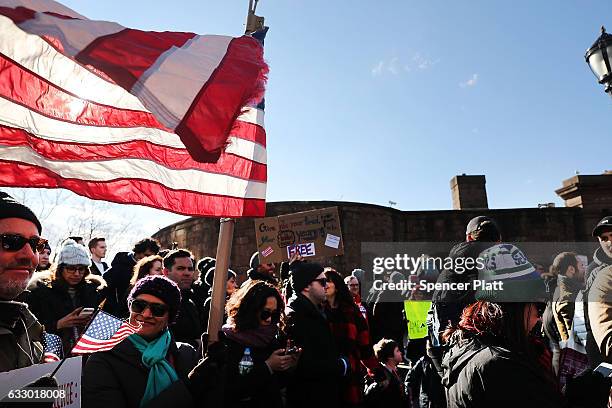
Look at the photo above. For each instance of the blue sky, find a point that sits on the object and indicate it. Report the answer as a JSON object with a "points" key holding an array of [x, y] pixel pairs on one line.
{"points": [[379, 101]]}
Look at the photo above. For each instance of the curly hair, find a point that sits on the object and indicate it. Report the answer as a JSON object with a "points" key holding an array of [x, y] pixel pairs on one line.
{"points": [[246, 303], [142, 267]]}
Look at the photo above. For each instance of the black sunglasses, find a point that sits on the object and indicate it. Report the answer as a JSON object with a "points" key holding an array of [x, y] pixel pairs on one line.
{"points": [[157, 309], [266, 314], [14, 242], [322, 281]]}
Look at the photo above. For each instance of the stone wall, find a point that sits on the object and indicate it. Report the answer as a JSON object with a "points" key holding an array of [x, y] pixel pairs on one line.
{"points": [[373, 223]]}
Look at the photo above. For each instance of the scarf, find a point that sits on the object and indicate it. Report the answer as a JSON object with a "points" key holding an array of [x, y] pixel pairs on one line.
{"points": [[260, 337], [161, 373]]}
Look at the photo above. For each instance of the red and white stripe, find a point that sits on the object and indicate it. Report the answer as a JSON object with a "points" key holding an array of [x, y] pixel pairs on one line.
{"points": [[87, 344], [158, 119], [49, 357]]}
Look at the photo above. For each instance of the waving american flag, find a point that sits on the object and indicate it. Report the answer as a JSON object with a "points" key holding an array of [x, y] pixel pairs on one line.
{"points": [[104, 333]]}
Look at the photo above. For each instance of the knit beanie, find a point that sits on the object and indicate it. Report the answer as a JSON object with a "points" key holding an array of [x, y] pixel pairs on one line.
{"points": [[507, 264], [10, 208], [302, 273], [162, 288], [205, 264], [254, 262], [72, 253], [210, 276]]}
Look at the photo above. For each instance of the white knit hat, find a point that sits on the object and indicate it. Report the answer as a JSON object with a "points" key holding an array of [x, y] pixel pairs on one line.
{"points": [[72, 253]]}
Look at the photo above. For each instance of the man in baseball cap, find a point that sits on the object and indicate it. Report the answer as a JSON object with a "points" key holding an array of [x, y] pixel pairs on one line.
{"points": [[20, 243]]}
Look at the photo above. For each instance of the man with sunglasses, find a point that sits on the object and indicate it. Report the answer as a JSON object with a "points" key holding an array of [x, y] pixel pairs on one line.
{"points": [[320, 367], [20, 243]]}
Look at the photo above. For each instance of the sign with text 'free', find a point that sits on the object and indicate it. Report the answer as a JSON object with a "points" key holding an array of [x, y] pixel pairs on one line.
{"points": [[311, 234]]}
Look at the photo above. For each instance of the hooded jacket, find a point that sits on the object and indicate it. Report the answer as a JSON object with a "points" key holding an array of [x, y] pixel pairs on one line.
{"points": [[479, 375]]}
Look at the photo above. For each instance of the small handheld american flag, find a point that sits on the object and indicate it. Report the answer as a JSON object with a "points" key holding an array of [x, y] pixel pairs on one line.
{"points": [[53, 350], [104, 333]]}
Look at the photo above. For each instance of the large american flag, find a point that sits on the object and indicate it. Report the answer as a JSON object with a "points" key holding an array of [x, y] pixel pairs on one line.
{"points": [[104, 333], [170, 120]]}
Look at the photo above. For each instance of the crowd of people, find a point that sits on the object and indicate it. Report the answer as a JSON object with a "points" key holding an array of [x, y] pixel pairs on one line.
{"points": [[301, 334]]}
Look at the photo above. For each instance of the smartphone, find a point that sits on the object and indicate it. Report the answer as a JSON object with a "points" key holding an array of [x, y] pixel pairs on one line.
{"points": [[87, 311], [290, 349], [605, 369]]}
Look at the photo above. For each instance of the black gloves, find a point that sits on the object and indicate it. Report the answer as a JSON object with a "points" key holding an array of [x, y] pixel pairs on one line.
{"points": [[42, 382]]}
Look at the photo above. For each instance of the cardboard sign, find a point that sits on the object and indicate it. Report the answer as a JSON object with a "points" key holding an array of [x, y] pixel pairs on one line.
{"points": [[68, 378], [312, 234]]}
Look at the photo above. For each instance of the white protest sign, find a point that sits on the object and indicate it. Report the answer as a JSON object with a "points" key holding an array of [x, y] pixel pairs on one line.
{"points": [[68, 378]]}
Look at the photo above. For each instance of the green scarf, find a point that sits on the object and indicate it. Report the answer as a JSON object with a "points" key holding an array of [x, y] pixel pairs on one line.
{"points": [[161, 373]]}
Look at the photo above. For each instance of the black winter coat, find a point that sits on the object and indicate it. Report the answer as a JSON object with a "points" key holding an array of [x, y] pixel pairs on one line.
{"points": [[449, 304], [188, 326], [387, 390], [49, 301], [478, 376], [117, 378], [258, 389], [424, 385], [314, 382], [118, 281]]}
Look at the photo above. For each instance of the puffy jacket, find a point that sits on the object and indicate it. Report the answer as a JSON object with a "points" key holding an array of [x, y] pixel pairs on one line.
{"points": [[480, 375], [50, 301], [117, 378]]}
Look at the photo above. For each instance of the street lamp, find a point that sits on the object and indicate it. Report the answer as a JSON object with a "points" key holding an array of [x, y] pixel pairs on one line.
{"points": [[599, 59]]}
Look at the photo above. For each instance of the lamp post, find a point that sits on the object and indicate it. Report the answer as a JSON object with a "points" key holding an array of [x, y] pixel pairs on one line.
{"points": [[599, 58]]}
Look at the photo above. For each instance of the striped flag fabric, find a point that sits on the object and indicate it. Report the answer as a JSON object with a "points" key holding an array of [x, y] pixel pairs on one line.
{"points": [[53, 349], [104, 332], [170, 120]]}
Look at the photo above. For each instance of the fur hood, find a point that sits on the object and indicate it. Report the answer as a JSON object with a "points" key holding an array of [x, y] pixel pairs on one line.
{"points": [[44, 278]]}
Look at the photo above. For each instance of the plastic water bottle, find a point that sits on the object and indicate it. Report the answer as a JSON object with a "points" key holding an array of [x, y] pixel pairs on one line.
{"points": [[246, 363]]}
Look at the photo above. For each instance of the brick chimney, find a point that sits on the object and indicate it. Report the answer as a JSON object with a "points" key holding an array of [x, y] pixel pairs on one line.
{"points": [[589, 191], [469, 192]]}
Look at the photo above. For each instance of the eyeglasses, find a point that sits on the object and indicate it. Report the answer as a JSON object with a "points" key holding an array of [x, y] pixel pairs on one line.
{"points": [[266, 314], [75, 268], [14, 242], [157, 309], [322, 281]]}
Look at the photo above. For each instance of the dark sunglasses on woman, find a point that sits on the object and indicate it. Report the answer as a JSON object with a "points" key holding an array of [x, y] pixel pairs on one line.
{"points": [[157, 309], [14, 242], [265, 315]]}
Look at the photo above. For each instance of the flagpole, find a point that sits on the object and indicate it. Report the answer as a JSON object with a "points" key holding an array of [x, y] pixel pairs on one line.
{"points": [[217, 301]]}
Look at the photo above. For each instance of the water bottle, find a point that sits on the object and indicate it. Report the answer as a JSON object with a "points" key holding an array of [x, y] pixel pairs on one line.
{"points": [[246, 363]]}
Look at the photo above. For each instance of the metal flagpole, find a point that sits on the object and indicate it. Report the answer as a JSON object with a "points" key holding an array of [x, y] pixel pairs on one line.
{"points": [[226, 230]]}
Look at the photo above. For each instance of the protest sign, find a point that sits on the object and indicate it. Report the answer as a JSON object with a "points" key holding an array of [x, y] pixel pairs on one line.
{"points": [[311, 234], [68, 378]]}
